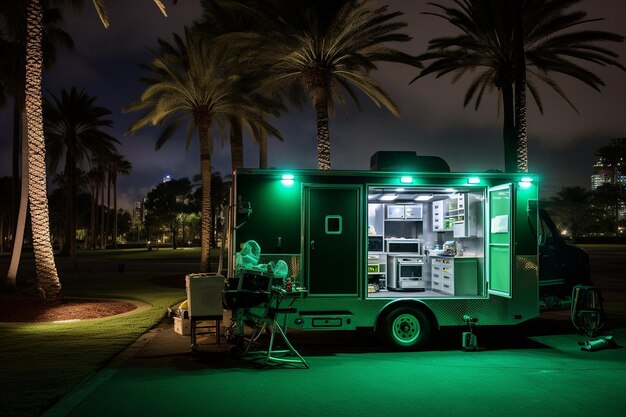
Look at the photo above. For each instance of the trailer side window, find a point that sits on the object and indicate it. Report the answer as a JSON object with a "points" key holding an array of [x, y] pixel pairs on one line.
{"points": [[333, 225]]}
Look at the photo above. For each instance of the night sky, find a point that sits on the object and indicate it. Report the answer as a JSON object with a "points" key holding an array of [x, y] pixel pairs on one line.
{"points": [[562, 142]]}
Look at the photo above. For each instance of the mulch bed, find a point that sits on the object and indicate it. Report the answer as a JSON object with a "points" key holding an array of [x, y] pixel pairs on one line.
{"points": [[33, 310]]}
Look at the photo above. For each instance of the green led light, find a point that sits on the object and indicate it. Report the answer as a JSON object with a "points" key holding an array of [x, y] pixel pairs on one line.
{"points": [[406, 180], [287, 180], [525, 184], [526, 179], [473, 180]]}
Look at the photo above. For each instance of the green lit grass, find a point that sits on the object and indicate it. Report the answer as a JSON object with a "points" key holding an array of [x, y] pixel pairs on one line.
{"points": [[42, 362]]}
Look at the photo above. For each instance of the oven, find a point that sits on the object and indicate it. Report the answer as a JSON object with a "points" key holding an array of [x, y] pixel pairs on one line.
{"points": [[410, 273]]}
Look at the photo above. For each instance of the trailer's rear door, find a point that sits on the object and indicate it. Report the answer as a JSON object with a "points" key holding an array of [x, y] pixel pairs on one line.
{"points": [[332, 241], [499, 260]]}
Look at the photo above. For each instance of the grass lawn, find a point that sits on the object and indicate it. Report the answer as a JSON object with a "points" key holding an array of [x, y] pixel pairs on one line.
{"points": [[143, 254], [42, 362]]}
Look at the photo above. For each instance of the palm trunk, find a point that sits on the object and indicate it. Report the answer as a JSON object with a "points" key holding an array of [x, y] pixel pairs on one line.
{"points": [[114, 181], [508, 131], [236, 144], [103, 213], [205, 213], [263, 150], [18, 237], [94, 205], [18, 133], [320, 99], [520, 90], [47, 275], [70, 201], [107, 219]]}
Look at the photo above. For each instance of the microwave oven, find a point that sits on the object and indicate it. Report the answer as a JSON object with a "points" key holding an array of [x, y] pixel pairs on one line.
{"points": [[375, 244], [413, 246]]}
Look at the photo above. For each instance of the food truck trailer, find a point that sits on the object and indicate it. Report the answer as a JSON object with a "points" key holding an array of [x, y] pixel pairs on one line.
{"points": [[403, 249]]}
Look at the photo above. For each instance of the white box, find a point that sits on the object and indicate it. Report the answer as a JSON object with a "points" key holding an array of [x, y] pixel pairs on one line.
{"points": [[204, 294], [182, 326]]}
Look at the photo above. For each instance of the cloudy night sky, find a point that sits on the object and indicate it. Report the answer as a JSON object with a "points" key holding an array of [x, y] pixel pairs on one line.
{"points": [[562, 142]]}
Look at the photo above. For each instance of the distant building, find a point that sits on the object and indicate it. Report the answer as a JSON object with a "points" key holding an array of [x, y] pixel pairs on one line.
{"points": [[603, 173]]}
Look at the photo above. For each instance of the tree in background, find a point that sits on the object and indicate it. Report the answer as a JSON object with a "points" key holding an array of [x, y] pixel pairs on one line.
{"points": [[5, 212], [164, 204], [326, 49], [220, 20], [610, 198], [572, 210], [73, 127], [47, 275], [187, 83], [12, 60], [117, 166], [554, 43]]}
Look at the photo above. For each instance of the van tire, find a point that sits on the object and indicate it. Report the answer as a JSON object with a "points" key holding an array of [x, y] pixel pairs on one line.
{"points": [[406, 328]]}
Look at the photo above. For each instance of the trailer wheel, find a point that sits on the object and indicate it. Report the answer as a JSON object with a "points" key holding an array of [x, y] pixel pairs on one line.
{"points": [[406, 328]]}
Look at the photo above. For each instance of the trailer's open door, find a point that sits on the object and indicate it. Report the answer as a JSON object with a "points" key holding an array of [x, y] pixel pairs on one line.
{"points": [[500, 247]]}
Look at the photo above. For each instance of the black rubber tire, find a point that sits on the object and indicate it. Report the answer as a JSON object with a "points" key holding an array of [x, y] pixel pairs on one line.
{"points": [[406, 329]]}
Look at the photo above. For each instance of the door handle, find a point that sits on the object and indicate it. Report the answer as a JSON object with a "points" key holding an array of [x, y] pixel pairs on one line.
{"points": [[313, 245]]}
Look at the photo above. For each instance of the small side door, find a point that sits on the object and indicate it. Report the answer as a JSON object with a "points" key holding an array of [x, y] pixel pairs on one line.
{"points": [[500, 231], [332, 239]]}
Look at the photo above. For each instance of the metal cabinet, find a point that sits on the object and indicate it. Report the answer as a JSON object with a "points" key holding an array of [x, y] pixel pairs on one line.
{"points": [[404, 211], [377, 270], [454, 276], [438, 213]]}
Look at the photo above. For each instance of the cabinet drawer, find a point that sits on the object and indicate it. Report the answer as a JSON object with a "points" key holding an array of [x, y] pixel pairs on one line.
{"points": [[447, 288]]}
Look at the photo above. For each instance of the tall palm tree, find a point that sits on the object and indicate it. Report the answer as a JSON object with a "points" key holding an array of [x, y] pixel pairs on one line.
{"points": [[95, 178], [13, 75], [554, 42], [219, 20], [45, 266], [325, 50], [188, 83], [118, 166], [73, 126]]}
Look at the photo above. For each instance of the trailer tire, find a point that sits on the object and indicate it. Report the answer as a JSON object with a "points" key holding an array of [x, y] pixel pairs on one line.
{"points": [[406, 328]]}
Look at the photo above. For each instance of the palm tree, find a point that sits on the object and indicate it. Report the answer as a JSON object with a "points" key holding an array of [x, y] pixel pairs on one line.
{"points": [[72, 125], [220, 20], [118, 166], [554, 43], [13, 79], [189, 83], [325, 49], [45, 266], [95, 179]]}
